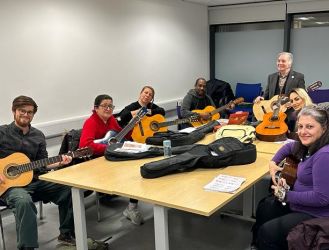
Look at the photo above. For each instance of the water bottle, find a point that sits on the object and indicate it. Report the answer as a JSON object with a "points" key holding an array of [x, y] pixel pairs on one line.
{"points": [[167, 148]]}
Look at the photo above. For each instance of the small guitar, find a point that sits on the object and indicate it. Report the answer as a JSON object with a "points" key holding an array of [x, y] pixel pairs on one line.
{"points": [[266, 106], [289, 171], [273, 126], [18, 170], [149, 125], [214, 113]]}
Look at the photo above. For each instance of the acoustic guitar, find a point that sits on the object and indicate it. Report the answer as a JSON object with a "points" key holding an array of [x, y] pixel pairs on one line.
{"points": [[17, 169], [112, 137], [266, 106], [214, 113], [156, 123], [289, 171], [273, 127]]}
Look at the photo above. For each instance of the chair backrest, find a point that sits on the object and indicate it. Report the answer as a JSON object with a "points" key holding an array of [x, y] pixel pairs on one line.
{"points": [[220, 92], [249, 91], [178, 107], [319, 95]]}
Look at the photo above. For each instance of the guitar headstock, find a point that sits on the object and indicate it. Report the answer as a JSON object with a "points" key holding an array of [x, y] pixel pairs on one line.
{"points": [[81, 153], [141, 113], [232, 103], [238, 100], [314, 86]]}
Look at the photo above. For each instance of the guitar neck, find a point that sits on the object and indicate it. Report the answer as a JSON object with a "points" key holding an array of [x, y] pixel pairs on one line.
{"points": [[215, 111], [174, 122], [127, 128], [37, 164]]}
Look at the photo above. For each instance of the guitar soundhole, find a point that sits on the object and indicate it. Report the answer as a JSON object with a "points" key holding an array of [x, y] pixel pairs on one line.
{"points": [[12, 171], [154, 126], [112, 140]]}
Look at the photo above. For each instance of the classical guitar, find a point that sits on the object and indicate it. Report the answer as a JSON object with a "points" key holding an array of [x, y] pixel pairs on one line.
{"points": [[289, 171], [151, 124], [119, 136], [266, 106], [214, 113], [17, 169], [273, 126]]}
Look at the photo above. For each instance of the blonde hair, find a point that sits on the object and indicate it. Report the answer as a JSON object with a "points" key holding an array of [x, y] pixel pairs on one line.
{"points": [[302, 94]]}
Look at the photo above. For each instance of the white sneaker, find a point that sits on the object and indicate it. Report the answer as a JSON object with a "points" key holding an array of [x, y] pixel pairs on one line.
{"points": [[134, 215]]}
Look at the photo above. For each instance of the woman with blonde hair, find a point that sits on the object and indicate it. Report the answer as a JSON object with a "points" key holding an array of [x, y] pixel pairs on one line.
{"points": [[298, 100]]}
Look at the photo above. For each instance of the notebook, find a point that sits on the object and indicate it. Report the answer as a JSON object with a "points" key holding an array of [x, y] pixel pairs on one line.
{"points": [[238, 118]]}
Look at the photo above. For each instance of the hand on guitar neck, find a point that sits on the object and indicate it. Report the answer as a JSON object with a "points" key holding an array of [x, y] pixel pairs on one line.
{"points": [[274, 169]]}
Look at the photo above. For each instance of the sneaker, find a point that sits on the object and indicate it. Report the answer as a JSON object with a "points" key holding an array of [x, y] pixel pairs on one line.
{"points": [[67, 239], [134, 215]]}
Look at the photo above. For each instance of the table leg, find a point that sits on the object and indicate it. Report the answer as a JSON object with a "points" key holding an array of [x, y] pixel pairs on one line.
{"points": [[79, 219], [161, 228]]}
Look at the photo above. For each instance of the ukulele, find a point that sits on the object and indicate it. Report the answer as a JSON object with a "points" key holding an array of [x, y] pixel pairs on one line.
{"points": [[17, 169], [266, 106], [214, 113], [289, 171], [151, 124], [273, 127]]}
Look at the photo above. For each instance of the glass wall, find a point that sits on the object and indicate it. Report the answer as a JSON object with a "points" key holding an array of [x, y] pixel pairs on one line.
{"points": [[309, 44], [247, 52]]}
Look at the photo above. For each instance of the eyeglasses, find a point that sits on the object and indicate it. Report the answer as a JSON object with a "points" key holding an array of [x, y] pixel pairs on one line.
{"points": [[23, 112], [105, 107]]}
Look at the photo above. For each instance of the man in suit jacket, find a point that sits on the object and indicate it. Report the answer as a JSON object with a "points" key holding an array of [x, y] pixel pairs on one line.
{"points": [[283, 81]]}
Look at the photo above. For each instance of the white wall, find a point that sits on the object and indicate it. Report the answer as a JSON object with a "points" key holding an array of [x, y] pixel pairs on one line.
{"points": [[65, 52]]}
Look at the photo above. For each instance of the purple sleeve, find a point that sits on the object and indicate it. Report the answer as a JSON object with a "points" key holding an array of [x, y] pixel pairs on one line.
{"points": [[283, 152], [319, 196]]}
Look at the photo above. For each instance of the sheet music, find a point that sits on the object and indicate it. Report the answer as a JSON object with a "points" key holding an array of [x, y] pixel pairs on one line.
{"points": [[133, 147], [225, 183]]}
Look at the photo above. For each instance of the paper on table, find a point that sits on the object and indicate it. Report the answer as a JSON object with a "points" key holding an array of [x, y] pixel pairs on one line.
{"points": [[133, 147], [225, 183]]}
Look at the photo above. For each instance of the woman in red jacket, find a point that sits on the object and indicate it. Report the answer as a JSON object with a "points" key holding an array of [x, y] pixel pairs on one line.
{"points": [[96, 127]]}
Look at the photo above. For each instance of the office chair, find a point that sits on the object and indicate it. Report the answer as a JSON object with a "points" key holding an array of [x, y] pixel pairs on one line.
{"points": [[249, 91], [3, 208], [319, 95]]}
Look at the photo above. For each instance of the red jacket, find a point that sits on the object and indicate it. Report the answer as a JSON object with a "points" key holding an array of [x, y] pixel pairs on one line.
{"points": [[95, 128]]}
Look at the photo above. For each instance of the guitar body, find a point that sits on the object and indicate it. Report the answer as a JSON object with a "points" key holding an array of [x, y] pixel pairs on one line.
{"points": [[17, 169], [14, 180], [289, 172], [272, 128], [147, 126], [208, 109], [266, 106]]}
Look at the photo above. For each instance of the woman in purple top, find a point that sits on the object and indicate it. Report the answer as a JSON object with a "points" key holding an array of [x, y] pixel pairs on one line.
{"points": [[309, 196]]}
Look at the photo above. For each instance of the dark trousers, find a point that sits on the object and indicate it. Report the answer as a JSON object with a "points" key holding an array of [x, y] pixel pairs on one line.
{"points": [[21, 200], [273, 223]]}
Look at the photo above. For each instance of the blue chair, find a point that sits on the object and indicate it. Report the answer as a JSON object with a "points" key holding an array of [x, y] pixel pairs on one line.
{"points": [[249, 91], [319, 95]]}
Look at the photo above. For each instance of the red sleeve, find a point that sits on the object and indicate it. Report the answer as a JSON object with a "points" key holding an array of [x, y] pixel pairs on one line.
{"points": [[88, 135]]}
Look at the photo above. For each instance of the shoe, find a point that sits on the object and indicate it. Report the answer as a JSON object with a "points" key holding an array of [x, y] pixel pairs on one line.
{"points": [[134, 215], [97, 245], [67, 239]]}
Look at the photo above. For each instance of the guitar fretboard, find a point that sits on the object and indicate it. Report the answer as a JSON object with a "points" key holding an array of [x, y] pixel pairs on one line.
{"points": [[36, 164]]}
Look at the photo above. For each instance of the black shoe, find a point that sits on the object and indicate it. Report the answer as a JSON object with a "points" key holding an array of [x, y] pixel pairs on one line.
{"points": [[67, 239]]}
